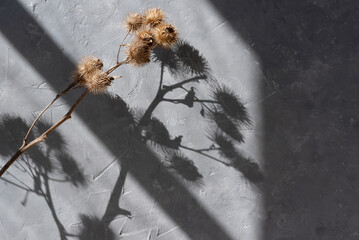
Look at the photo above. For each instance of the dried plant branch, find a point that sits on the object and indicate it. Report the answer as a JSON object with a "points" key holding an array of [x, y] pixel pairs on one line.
{"points": [[150, 30], [73, 84], [117, 65], [43, 136], [121, 44]]}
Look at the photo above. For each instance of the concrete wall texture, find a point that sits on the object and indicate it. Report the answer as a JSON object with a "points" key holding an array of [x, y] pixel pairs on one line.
{"points": [[292, 64]]}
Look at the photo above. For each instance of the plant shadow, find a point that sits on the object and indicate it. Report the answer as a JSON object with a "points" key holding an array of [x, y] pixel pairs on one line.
{"points": [[42, 165], [137, 133]]}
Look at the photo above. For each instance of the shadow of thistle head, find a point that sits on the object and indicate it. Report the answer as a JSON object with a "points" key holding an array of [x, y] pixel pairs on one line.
{"points": [[230, 104], [89, 74], [248, 168], [226, 146], [12, 130], [158, 134], [95, 229], [184, 167], [192, 61], [227, 125], [168, 58], [40, 160], [70, 169]]}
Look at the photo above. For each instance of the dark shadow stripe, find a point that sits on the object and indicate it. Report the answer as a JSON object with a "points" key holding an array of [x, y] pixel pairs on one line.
{"points": [[309, 54]]}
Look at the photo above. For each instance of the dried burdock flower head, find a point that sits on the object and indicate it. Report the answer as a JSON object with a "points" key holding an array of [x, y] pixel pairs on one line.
{"points": [[98, 82], [146, 37], [134, 22], [138, 53], [86, 66], [154, 17], [166, 35], [89, 74]]}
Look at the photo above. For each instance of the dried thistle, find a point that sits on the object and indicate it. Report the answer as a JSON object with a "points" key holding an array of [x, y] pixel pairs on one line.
{"points": [[97, 82], [90, 75], [154, 17], [165, 35], [86, 67], [138, 53], [134, 22], [146, 37]]}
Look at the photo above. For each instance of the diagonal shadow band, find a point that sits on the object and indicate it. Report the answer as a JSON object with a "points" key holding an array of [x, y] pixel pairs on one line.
{"points": [[309, 57], [32, 42]]}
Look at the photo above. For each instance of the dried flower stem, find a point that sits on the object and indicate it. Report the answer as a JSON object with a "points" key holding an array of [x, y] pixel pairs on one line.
{"points": [[119, 48], [43, 111], [42, 137], [117, 65]]}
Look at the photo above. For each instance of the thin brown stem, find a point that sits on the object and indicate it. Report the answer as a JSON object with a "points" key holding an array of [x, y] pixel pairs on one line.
{"points": [[116, 66], [43, 111], [119, 48], [42, 137]]}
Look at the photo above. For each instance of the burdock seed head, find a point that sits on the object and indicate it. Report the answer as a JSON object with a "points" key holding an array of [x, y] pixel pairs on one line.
{"points": [[138, 53], [165, 35], [98, 82], [146, 37], [89, 75], [154, 16], [134, 22], [86, 66]]}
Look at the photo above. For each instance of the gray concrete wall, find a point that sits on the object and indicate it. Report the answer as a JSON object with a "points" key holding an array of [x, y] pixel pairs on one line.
{"points": [[293, 64], [83, 181], [309, 55]]}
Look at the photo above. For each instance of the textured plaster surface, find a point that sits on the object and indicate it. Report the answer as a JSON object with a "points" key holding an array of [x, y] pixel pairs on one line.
{"points": [[39, 44], [292, 63], [309, 51]]}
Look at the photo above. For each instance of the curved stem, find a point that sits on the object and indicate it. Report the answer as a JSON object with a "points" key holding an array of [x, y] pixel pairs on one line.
{"points": [[43, 111], [42, 137], [119, 48], [116, 66]]}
